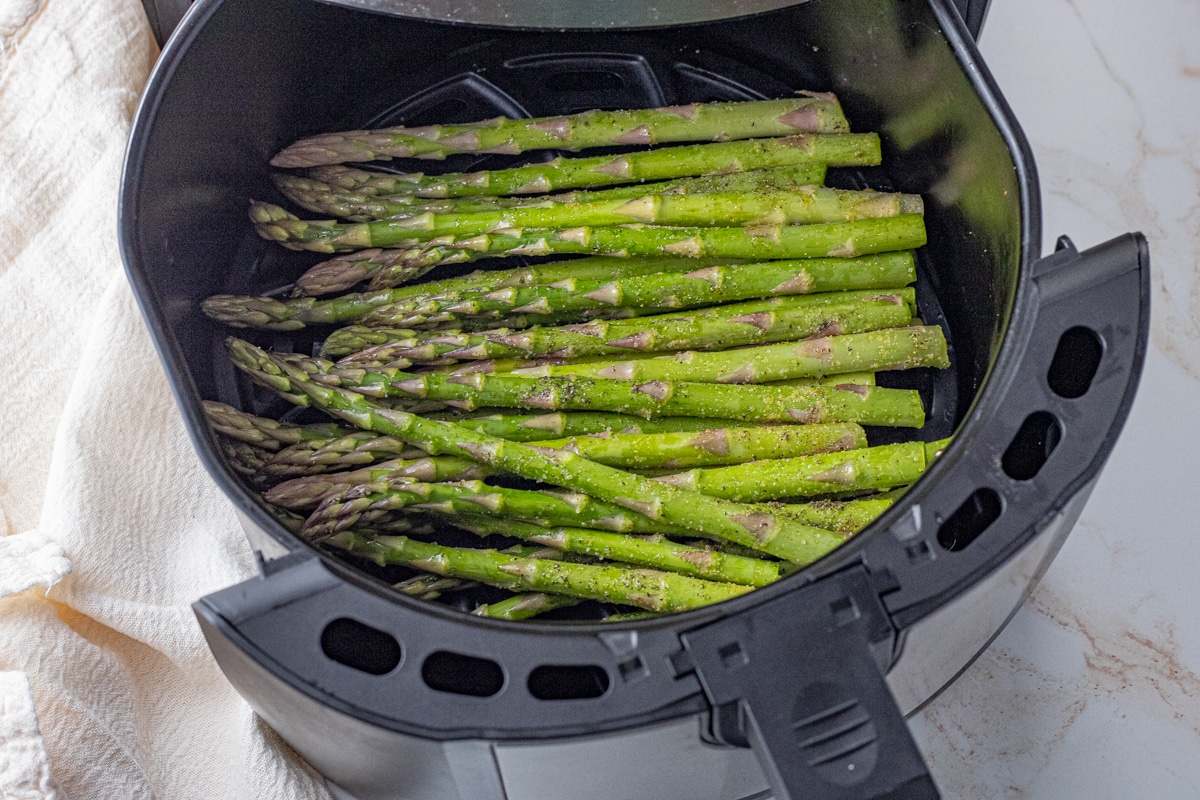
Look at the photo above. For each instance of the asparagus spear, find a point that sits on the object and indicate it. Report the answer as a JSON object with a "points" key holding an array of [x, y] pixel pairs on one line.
{"points": [[751, 526], [343, 272], [356, 448], [430, 587], [365, 504], [866, 405], [697, 562], [698, 122], [308, 491], [355, 338], [323, 198], [887, 349], [264, 433], [366, 447], [882, 467], [293, 314], [245, 458], [715, 446], [644, 588], [666, 290], [732, 325], [664, 163], [802, 205], [524, 606]]}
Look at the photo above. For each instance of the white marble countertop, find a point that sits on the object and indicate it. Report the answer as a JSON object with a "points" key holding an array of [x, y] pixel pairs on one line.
{"points": [[1093, 690]]}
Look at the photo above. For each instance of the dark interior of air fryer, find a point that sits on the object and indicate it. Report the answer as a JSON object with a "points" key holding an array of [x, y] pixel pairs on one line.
{"points": [[889, 65]]}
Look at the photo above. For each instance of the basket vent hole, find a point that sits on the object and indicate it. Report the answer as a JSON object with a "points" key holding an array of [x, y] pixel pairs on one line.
{"points": [[585, 80], [1029, 450], [568, 682], [1076, 360], [455, 673], [972, 518], [359, 646]]}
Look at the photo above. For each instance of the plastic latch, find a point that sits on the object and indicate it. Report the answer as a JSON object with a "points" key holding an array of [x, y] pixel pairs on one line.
{"points": [[1067, 272], [800, 679]]}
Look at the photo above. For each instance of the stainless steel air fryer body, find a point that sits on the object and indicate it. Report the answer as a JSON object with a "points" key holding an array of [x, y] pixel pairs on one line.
{"points": [[798, 689]]}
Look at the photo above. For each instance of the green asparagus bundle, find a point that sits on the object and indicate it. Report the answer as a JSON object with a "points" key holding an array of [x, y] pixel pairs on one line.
{"points": [[698, 122], [662, 402], [660, 164]]}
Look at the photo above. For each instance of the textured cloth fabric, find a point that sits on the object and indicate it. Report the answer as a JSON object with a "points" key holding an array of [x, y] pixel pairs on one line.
{"points": [[109, 526]]}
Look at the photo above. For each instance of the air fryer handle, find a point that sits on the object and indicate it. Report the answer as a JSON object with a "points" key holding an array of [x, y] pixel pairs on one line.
{"points": [[800, 680], [1049, 423]]}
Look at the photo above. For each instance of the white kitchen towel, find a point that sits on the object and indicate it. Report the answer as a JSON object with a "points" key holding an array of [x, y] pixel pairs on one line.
{"points": [[113, 527], [24, 768]]}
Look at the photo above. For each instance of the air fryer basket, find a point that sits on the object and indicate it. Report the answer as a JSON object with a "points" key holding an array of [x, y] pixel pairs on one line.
{"points": [[1046, 356]]}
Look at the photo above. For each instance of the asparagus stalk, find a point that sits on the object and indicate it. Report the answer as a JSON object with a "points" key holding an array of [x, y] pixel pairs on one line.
{"points": [[751, 526], [430, 587], [732, 325], [697, 562], [803, 205], [343, 272], [712, 447], [262, 432], [887, 349], [871, 468], [358, 448], [664, 163], [366, 447], [323, 198], [649, 589], [718, 122], [355, 338], [244, 458], [309, 491], [524, 606], [865, 405], [365, 504], [296, 313], [666, 290]]}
